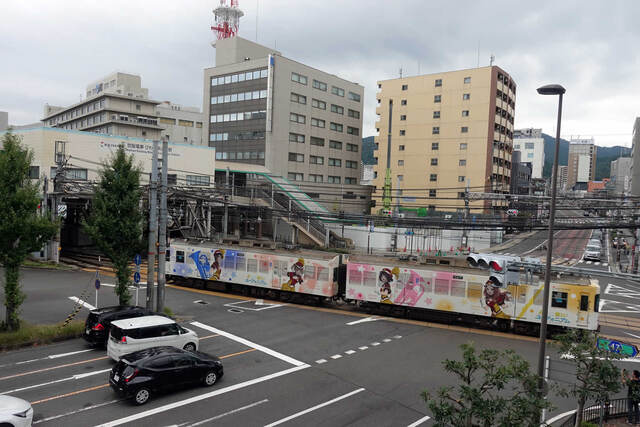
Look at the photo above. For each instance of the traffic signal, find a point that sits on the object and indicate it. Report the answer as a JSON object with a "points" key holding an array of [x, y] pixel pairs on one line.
{"points": [[501, 269]]}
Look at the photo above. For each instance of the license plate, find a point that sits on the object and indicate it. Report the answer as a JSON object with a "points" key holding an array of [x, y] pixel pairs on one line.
{"points": [[87, 331], [116, 378]]}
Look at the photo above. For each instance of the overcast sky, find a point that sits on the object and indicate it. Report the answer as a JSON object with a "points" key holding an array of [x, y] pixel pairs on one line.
{"points": [[51, 50]]}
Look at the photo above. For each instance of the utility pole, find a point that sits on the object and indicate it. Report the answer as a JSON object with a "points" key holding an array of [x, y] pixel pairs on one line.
{"points": [[226, 206], [153, 226], [43, 210], [162, 228], [464, 241]]}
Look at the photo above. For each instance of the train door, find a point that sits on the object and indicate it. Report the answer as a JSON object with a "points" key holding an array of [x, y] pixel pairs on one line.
{"points": [[583, 310]]}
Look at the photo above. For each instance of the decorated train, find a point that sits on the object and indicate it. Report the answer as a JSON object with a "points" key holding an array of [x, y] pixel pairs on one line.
{"points": [[437, 288]]}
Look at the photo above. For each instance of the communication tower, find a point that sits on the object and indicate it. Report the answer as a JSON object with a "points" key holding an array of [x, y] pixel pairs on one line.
{"points": [[227, 19]]}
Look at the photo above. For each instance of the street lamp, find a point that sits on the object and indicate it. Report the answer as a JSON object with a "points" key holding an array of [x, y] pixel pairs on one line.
{"points": [[549, 90]]}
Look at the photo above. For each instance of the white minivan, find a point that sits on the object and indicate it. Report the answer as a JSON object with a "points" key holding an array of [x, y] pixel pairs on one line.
{"points": [[129, 335]]}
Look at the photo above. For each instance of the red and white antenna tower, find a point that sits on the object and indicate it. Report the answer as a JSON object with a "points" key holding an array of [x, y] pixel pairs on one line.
{"points": [[227, 19]]}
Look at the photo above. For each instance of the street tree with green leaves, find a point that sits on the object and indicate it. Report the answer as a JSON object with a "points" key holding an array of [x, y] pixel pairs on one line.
{"points": [[597, 376], [22, 229], [115, 224], [495, 388]]}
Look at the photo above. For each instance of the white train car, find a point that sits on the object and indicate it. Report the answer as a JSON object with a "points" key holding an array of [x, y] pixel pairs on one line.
{"points": [[306, 272]]}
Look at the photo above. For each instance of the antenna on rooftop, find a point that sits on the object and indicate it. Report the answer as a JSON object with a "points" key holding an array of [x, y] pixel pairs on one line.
{"points": [[491, 59], [227, 19], [400, 72]]}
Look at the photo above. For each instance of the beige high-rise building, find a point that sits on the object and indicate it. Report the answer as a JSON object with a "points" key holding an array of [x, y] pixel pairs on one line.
{"points": [[581, 165], [444, 131]]}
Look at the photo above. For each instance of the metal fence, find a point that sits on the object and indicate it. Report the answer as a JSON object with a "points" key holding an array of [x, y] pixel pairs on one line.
{"points": [[614, 408]]}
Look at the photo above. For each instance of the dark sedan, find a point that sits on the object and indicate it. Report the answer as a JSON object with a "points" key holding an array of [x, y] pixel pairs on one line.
{"points": [[138, 375], [98, 323]]}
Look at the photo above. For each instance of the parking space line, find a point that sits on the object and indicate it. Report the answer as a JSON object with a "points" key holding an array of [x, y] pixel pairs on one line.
{"points": [[209, 336], [238, 353], [336, 356], [217, 417], [420, 421], [200, 397], [73, 377], [51, 356], [52, 368], [321, 361], [375, 343], [313, 408], [83, 303], [364, 347], [73, 393], [248, 343], [77, 411], [349, 352]]}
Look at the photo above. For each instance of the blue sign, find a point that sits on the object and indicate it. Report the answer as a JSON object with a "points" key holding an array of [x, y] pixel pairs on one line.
{"points": [[618, 347], [136, 277], [97, 284], [137, 260]]}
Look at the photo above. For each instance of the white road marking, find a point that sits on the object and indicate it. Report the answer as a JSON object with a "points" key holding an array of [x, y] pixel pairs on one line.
{"points": [[51, 356], [387, 340], [349, 351], [589, 262], [581, 261], [364, 347], [635, 336], [55, 356], [83, 303], [366, 319], [618, 307], [248, 343], [558, 417], [627, 359], [596, 263], [336, 356], [264, 306], [217, 417], [420, 421], [200, 397], [604, 264], [375, 343], [77, 411], [397, 336], [321, 361], [111, 285], [73, 377], [313, 408], [622, 291]]}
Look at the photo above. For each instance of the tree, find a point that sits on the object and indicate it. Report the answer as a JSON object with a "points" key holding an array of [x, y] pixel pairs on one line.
{"points": [[115, 223], [596, 374], [496, 388], [22, 229]]}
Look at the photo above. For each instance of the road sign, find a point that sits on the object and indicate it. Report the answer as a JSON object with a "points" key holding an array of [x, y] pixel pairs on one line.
{"points": [[97, 284], [137, 259], [618, 347], [136, 277]]}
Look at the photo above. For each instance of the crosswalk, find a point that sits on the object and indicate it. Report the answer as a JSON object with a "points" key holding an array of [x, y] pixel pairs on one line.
{"points": [[566, 261], [604, 264]]}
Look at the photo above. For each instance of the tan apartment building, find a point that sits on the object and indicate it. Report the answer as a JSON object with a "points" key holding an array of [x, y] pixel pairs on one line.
{"points": [[439, 132], [562, 178], [581, 165]]}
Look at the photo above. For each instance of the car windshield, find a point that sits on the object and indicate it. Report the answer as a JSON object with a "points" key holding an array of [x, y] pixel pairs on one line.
{"points": [[593, 249], [116, 333]]}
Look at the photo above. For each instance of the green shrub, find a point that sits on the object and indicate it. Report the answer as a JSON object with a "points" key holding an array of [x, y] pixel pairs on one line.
{"points": [[39, 334]]}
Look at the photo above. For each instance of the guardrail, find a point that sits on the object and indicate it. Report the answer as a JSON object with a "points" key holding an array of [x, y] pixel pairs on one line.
{"points": [[613, 409]]}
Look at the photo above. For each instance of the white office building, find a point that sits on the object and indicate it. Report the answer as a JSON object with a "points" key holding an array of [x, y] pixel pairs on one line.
{"points": [[531, 146]]}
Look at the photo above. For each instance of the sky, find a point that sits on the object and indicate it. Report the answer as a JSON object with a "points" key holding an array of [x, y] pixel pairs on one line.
{"points": [[51, 50]]}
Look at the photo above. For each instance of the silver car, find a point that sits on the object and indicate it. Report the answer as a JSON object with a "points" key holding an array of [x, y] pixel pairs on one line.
{"points": [[15, 412], [592, 253]]}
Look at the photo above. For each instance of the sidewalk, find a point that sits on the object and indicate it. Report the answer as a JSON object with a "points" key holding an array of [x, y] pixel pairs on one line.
{"points": [[622, 265]]}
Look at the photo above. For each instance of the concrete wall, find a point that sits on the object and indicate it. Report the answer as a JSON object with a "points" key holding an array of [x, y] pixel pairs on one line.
{"points": [[236, 50], [182, 125]]}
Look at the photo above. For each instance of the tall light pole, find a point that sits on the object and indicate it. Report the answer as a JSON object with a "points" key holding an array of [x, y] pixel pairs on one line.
{"points": [[549, 90]]}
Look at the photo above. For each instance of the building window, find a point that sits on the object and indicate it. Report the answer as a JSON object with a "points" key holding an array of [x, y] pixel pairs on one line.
{"points": [[354, 97], [464, 129], [466, 96], [435, 130], [299, 78], [432, 193], [352, 147], [316, 103], [461, 195], [465, 113], [403, 117], [435, 145], [437, 98], [351, 164], [433, 177], [198, 179], [295, 176], [300, 99], [335, 127], [34, 172], [462, 162], [297, 118], [317, 84], [353, 131], [529, 155], [400, 177], [434, 161], [333, 179], [461, 178], [79, 174], [529, 146], [317, 141], [337, 109], [352, 181], [403, 102], [438, 82], [467, 79], [436, 114], [400, 147], [172, 179], [400, 162], [316, 160], [317, 123], [353, 113], [315, 178], [336, 145], [405, 87], [296, 137], [335, 162], [337, 91], [463, 145], [296, 157]]}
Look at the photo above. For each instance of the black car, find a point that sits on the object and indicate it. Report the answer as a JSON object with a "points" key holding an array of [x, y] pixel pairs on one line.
{"points": [[137, 375], [98, 323]]}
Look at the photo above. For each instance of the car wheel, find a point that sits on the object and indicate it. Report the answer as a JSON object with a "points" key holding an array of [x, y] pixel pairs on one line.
{"points": [[211, 378], [142, 396], [190, 347]]}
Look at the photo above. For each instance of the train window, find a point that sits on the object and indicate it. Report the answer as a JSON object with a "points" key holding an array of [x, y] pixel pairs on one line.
{"points": [[179, 256], [355, 276], [584, 302], [167, 255], [458, 288], [228, 262], [241, 264], [559, 299], [596, 304], [474, 290], [264, 266], [441, 287], [309, 271], [521, 294], [370, 278], [323, 274], [252, 265], [283, 268]]}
